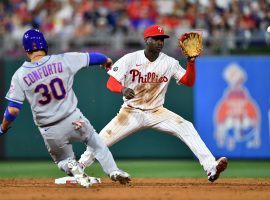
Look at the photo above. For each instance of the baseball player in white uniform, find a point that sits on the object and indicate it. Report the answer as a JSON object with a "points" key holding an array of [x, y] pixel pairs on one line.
{"points": [[143, 78], [46, 82]]}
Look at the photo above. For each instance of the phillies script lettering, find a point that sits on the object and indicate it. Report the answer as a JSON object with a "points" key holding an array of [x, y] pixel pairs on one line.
{"points": [[150, 77]]}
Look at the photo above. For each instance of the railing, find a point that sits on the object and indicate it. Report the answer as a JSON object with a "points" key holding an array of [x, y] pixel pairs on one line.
{"points": [[118, 44]]}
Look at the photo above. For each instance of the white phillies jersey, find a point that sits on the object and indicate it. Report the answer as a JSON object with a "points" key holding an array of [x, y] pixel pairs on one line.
{"points": [[149, 80], [47, 85]]}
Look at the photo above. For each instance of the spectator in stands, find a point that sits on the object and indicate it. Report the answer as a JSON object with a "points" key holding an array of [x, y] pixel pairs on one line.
{"points": [[84, 19]]}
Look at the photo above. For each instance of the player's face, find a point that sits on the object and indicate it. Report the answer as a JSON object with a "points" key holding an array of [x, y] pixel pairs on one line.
{"points": [[155, 44]]}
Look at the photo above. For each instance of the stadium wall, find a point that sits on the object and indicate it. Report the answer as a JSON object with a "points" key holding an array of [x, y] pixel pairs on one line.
{"points": [[230, 110]]}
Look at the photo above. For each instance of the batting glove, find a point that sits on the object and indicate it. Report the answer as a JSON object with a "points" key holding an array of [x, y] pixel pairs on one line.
{"points": [[128, 93]]}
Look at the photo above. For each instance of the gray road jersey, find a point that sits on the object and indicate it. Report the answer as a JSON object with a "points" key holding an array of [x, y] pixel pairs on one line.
{"points": [[47, 85]]}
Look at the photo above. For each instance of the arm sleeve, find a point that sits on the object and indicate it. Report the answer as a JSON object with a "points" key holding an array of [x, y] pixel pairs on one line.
{"points": [[97, 58], [189, 77], [114, 85], [15, 104]]}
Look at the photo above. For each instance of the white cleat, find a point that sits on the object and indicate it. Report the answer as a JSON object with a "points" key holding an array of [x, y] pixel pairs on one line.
{"points": [[121, 176], [72, 180], [79, 175], [222, 164]]}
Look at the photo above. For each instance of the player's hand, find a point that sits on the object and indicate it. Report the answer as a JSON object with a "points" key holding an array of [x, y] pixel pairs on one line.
{"points": [[78, 124], [2, 132], [128, 93], [107, 65], [191, 59]]}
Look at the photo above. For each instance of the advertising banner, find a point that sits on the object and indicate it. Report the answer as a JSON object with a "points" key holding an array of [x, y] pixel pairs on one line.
{"points": [[232, 105]]}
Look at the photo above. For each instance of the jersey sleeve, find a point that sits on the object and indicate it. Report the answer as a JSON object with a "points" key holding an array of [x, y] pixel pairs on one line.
{"points": [[178, 71], [76, 61], [15, 93], [119, 69]]}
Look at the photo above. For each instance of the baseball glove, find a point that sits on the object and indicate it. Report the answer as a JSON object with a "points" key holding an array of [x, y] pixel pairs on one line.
{"points": [[191, 44]]}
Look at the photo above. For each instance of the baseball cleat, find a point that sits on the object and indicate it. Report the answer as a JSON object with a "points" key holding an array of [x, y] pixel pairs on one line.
{"points": [[221, 166], [82, 178], [72, 180], [121, 176]]}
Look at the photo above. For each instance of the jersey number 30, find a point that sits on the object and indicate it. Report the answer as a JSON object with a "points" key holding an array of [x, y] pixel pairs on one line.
{"points": [[55, 89]]}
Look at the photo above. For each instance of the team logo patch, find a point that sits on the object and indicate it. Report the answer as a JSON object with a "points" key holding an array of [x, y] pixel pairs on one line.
{"points": [[34, 46], [12, 88], [115, 69]]}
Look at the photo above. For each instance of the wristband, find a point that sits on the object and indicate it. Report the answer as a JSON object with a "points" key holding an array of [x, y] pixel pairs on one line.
{"points": [[8, 116]]}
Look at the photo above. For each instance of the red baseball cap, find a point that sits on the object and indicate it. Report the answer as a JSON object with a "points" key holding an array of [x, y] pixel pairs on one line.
{"points": [[154, 30]]}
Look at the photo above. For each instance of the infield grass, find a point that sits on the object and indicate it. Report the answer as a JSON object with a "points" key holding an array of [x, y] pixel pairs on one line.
{"points": [[138, 168]]}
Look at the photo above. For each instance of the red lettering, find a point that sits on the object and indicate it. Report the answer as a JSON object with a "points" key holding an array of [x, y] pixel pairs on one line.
{"points": [[134, 73]]}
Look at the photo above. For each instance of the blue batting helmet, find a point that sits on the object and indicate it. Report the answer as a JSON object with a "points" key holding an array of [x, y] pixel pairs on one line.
{"points": [[34, 40]]}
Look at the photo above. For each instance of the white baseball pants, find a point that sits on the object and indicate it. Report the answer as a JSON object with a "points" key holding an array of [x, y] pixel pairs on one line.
{"points": [[130, 120]]}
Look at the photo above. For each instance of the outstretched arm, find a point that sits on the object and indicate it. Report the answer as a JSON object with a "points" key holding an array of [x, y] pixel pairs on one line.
{"points": [[116, 86], [12, 111], [100, 59], [189, 77]]}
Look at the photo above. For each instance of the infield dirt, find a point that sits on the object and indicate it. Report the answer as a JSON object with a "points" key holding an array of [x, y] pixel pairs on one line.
{"points": [[138, 189]]}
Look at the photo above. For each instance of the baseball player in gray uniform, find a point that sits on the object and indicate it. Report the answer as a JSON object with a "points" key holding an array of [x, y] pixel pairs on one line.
{"points": [[143, 78], [46, 82]]}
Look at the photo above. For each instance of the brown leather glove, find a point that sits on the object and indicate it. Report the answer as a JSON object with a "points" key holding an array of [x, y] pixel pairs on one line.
{"points": [[191, 44]]}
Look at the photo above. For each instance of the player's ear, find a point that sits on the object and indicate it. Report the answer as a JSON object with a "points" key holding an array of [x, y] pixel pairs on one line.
{"points": [[146, 40], [28, 54]]}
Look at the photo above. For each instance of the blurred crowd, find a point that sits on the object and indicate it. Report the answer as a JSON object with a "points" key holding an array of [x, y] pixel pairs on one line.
{"points": [[118, 24]]}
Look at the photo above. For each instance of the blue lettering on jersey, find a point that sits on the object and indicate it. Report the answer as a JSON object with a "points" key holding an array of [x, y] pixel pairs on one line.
{"points": [[43, 71]]}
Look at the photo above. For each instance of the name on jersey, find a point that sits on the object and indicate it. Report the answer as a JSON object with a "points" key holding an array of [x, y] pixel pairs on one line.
{"points": [[41, 72], [150, 77]]}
